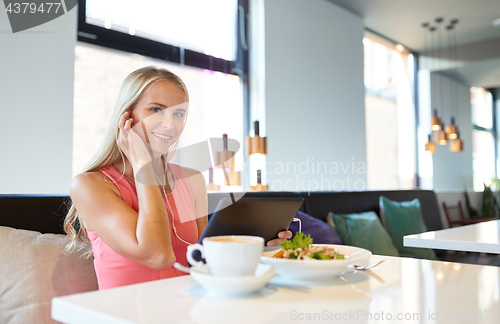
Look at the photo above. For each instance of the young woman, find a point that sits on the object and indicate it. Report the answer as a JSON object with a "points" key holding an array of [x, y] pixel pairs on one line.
{"points": [[137, 211]]}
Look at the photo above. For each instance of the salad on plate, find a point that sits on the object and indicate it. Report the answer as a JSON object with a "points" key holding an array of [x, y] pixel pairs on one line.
{"points": [[301, 248], [300, 259]]}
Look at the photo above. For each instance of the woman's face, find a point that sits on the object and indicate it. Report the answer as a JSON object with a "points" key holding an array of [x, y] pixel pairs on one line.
{"points": [[162, 109]]}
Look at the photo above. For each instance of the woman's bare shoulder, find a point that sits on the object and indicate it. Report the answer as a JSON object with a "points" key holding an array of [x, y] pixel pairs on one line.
{"points": [[94, 180]]}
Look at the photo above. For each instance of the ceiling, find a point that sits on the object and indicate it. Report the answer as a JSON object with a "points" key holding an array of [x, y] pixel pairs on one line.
{"points": [[479, 41]]}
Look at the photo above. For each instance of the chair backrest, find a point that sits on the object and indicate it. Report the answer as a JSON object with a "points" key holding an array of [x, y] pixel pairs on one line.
{"points": [[454, 214]]}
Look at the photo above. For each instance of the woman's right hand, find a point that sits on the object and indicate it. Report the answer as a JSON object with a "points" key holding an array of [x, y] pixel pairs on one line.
{"points": [[132, 144]]}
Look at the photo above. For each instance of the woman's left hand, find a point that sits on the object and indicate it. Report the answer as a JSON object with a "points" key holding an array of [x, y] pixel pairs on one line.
{"points": [[282, 236]]}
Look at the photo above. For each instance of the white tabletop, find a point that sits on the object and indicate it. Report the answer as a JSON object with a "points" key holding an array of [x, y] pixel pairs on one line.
{"points": [[433, 291], [481, 237]]}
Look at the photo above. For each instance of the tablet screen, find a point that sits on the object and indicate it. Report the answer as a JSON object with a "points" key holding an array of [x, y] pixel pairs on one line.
{"points": [[264, 217]]}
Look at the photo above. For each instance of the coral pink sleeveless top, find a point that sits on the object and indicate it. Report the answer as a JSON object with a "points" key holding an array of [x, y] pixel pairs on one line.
{"points": [[114, 270]]}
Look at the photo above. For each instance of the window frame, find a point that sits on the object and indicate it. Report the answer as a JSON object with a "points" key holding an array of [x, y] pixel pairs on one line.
{"points": [[101, 36]]}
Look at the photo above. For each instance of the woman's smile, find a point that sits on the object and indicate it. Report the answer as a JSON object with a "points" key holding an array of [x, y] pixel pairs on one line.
{"points": [[165, 138]]}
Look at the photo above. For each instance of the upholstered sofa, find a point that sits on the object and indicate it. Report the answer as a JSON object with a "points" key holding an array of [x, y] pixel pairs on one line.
{"points": [[34, 268]]}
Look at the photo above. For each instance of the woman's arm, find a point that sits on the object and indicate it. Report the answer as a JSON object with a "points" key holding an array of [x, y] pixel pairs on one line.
{"points": [[142, 237]]}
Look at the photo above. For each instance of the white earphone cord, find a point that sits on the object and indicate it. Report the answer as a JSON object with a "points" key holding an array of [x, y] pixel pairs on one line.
{"points": [[168, 203]]}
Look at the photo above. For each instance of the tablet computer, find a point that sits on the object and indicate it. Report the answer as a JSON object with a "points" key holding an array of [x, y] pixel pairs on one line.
{"points": [[264, 217]]}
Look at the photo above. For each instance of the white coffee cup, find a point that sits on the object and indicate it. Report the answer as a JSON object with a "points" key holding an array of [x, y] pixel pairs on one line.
{"points": [[229, 255]]}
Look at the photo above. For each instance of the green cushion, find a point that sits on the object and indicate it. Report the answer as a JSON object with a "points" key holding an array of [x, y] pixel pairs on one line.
{"points": [[404, 218], [365, 231]]}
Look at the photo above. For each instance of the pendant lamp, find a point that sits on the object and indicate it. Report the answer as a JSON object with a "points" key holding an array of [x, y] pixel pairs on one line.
{"points": [[435, 121], [225, 160], [256, 144], [441, 136], [259, 186], [430, 146], [211, 186], [457, 145], [452, 129]]}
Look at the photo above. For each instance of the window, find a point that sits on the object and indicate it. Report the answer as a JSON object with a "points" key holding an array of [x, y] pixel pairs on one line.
{"points": [[483, 137], [197, 33], [204, 44], [390, 115], [197, 25]]}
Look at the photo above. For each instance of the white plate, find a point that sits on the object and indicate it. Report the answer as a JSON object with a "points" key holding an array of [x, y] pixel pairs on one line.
{"points": [[316, 269], [236, 285]]}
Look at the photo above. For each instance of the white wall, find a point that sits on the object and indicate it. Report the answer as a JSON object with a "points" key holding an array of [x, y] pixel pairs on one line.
{"points": [[444, 170], [314, 96], [36, 104], [452, 171]]}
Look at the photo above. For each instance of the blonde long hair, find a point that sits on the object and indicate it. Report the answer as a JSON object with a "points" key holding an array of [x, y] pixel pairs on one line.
{"points": [[134, 85]]}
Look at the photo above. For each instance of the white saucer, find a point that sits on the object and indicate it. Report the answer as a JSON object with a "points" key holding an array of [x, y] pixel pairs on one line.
{"points": [[236, 285]]}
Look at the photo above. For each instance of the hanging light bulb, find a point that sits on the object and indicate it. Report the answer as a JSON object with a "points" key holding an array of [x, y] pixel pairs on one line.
{"points": [[441, 136], [430, 146], [452, 129], [457, 145], [435, 121]]}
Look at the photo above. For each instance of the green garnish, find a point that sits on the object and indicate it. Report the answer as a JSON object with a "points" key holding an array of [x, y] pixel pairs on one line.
{"points": [[299, 241], [320, 256]]}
